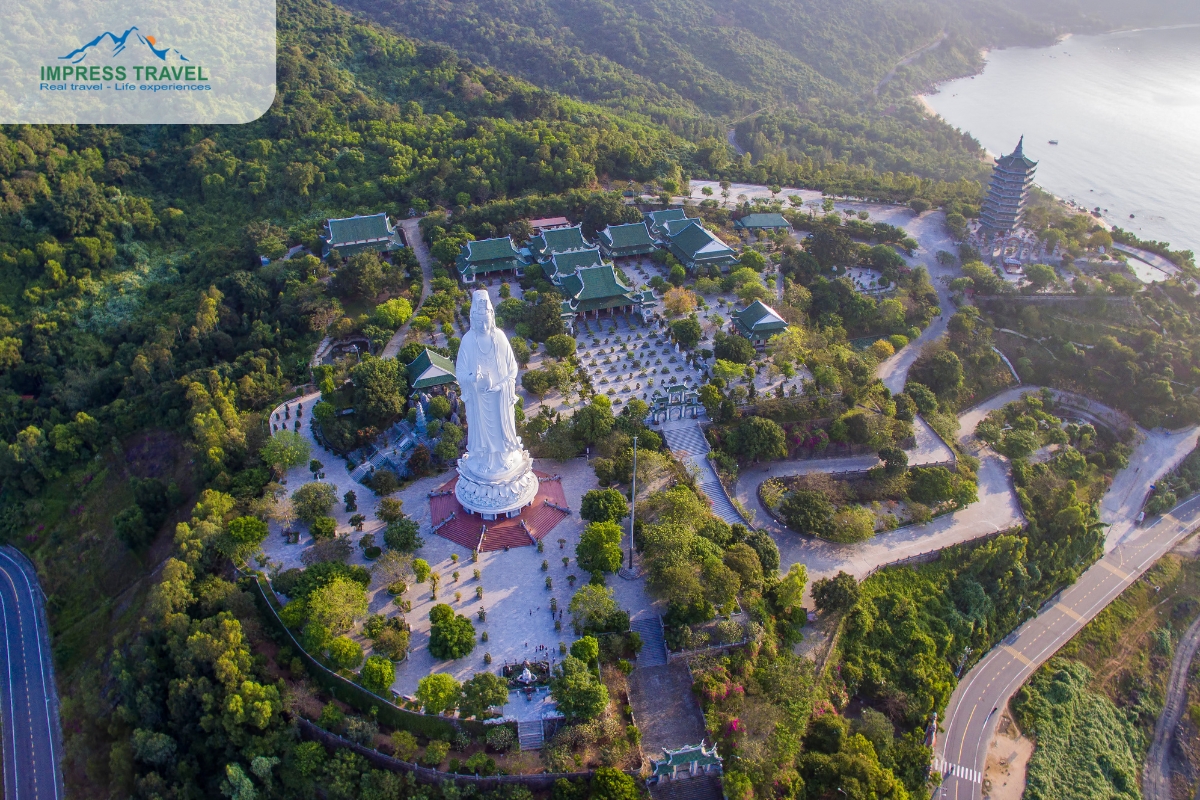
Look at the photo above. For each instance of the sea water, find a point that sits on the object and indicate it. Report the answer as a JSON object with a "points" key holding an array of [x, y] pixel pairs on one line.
{"points": [[1125, 111]]}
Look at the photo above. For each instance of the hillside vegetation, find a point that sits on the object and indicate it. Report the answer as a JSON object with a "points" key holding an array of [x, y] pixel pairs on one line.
{"points": [[801, 79], [142, 345]]}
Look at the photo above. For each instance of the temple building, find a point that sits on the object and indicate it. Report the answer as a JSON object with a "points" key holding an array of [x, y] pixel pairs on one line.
{"points": [[429, 369], [353, 235], [623, 241], [672, 227], [488, 255], [758, 322], [546, 223], [595, 289], [771, 221], [550, 242], [695, 246], [1009, 191], [657, 221], [564, 264]]}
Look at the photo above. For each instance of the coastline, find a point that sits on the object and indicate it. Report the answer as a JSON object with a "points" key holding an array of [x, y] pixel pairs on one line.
{"points": [[984, 52]]}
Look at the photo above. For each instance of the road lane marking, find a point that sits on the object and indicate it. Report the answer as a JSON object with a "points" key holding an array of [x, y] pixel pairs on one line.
{"points": [[1122, 575], [51, 729], [1108, 593], [12, 714], [1017, 654], [957, 770], [1070, 612]]}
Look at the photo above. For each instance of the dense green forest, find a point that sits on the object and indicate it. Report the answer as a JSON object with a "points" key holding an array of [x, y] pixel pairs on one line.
{"points": [[804, 80], [143, 343]]}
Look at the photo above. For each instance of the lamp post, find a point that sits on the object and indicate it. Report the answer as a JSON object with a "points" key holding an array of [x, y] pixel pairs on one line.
{"points": [[632, 503]]}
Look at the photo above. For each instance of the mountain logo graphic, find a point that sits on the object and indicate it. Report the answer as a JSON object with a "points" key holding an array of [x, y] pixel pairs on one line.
{"points": [[115, 45]]}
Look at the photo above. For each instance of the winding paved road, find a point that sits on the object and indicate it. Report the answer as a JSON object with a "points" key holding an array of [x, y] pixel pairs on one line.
{"points": [[28, 698], [972, 713], [996, 510], [1156, 777]]}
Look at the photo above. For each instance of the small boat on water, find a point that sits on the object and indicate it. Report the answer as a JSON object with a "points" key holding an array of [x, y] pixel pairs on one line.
{"points": [[1054, 141]]}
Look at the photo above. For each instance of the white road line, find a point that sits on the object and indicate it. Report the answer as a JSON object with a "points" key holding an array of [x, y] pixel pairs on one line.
{"points": [[12, 714], [46, 687], [957, 771]]}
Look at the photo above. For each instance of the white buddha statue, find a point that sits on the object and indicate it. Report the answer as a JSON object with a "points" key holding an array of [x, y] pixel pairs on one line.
{"points": [[496, 474]]}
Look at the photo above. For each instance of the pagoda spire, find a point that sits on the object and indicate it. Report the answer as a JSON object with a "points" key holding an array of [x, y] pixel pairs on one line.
{"points": [[1009, 191]]}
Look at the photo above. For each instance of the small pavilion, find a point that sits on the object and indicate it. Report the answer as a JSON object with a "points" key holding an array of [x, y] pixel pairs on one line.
{"points": [[771, 221], [758, 322], [691, 760], [430, 369]]}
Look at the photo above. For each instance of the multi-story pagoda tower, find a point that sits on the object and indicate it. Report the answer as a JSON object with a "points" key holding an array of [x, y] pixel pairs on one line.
{"points": [[1008, 192]]}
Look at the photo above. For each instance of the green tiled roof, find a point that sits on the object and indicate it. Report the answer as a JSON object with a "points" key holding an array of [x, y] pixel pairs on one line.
{"points": [[557, 240], [488, 255], [489, 250], [359, 230], [596, 288], [694, 243], [566, 263], [759, 221], [758, 320], [674, 226], [682, 758], [430, 369], [659, 218], [622, 237]]}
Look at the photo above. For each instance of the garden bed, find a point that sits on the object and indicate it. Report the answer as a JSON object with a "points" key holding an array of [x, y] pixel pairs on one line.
{"points": [[856, 507]]}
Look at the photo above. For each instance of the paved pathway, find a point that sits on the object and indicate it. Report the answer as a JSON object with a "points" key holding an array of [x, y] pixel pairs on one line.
{"points": [[1156, 776], [686, 439], [1153, 259], [515, 599], [412, 235], [32, 736], [908, 59]]}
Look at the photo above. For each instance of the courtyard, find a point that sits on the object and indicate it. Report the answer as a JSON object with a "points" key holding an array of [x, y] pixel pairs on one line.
{"points": [[516, 601]]}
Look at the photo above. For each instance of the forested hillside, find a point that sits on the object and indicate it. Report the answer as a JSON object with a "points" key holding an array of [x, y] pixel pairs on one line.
{"points": [[141, 342], [700, 67], [128, 254], [796, 79]]}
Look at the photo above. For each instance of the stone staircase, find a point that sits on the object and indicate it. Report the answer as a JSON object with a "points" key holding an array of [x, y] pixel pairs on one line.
{"points": [[654, 648], [377, 460], [530, 735], [499, 537], [700, 787], [688, 441]]}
